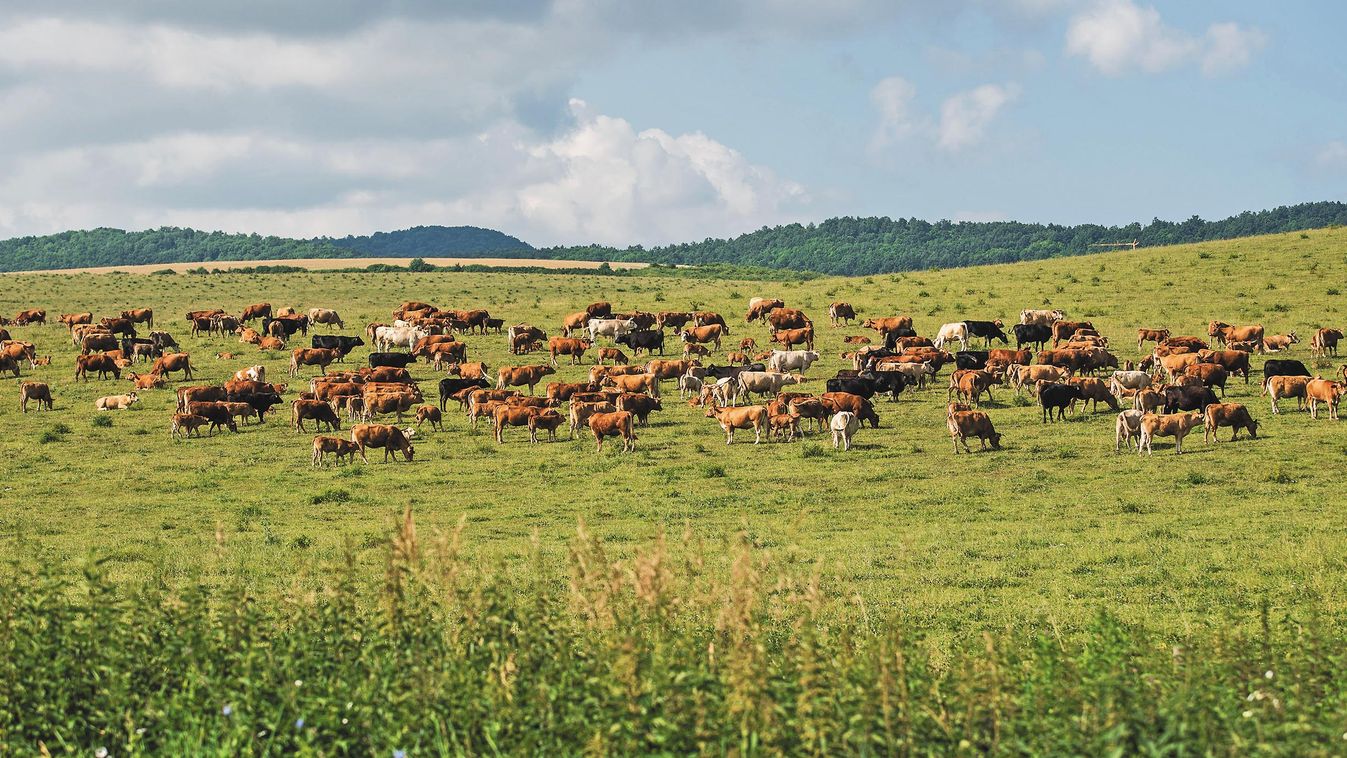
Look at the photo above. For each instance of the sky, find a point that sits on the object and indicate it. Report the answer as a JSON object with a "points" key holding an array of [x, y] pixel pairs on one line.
{"points": [[628, 122]]}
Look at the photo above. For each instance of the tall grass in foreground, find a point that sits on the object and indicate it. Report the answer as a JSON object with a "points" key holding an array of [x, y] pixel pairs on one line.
{"points": [[653, 654]]}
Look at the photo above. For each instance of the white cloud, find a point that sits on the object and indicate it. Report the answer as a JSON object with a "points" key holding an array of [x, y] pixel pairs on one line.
{"points": [[892, 98], [1117, 36], [964, 117], [600, 180]]}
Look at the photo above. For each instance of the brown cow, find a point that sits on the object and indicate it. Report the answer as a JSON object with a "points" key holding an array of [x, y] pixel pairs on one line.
{"points": [[889, 324], [856, 339], [511, 415], [788, 318], [519, 376], [1093, 390], [1210, 374], [317, 410], [474, 370], [841, 311], [37, 392], [103, 364], [1151, 335], [666, 369], [30, 316], [72, 319], [1225, 333], [98, 341], [676, 320], [257, 310], [322, 357], [1278, 387], [571, 346], [1233, 361], [146, 381], [580, 413], [1232, 415], [140, 316], [648, 383], [1325, 342], [170, 362], [271, 343], [615, 424], [1063, 330], [613, 354], [386, 436], [845, 401], [216, 412], [759, 307], [789, 338], [188, 422], [340, 447], [1324, 391], [745, 417], [574, 322], [1278, 342], [200, 394], [1176, 425], [548, 420], [639, 405], [562, 391], [704, 334], [964, 424]]}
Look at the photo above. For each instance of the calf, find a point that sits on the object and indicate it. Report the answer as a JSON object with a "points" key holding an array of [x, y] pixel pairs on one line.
{"points": [[1127, 428], [613, 354], [432, 414], [317, 410], [187, 424], [1325, 342], [615, 424], [1151, 335], [1176, 425], [548, 420], [335, 445], [37, 392]]}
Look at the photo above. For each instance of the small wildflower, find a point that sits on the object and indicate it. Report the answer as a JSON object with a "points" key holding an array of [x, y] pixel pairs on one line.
{"points": [[299, 682], [299, 723], [1248, 714], [262, 733], [227, 710], [344, 721], [1268, 675], [101, 752], [141, 730]]}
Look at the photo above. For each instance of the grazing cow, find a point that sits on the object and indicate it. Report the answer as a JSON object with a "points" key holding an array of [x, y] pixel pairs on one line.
{"points": [[988, 330], [321, 357], [759, 307], [1232, 415], [969, 423], [1225, 333], [1325, 342], [1188, 399], [753, 417], [548, 420], [970, 384], [37, 392], [1176, 425], [1278, 387], [574, 322], [695, 351], [836, 402], [216, 412], [335, 445], [519, 376], [613, 424], [789, 338], [1127, 428], [1157, 336], [510, 415], [639, 405], [612, 354], [186, 424], [1056, 397], [317, 410], [575, 348], [764, 382], [386, 436], [887, 325], [1129, 380], [116, 402], [257, 310], [1032, 334], [1210, 374], [843, 425], [1233, 361], [1324, 391], [391, 360], [103, 364], [601, 309], [791, 360], [703, 334], [72, 319], [611, 328], [30, 316], [342, 344], [1279, 342], [1093, 390], [642, 339], [1041, 317], [675, 320], [325, 316], [949, 332], [841, 311]]}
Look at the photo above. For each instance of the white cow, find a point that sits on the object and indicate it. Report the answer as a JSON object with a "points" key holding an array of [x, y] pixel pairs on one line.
{"points": [[689, 386], [1130, 380], [611, 328], [843, 425], [386, 337], [765, 382], [251, 374], [789, 360], [1127, 429], [115, 402], [956, 331], [915, 373]]}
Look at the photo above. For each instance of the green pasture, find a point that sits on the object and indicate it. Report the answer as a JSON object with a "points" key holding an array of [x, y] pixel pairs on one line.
{"points": [[1046, 531]]}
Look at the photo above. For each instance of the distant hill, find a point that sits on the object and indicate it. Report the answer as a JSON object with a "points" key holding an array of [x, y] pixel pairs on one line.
{"points": [[874, 245], [436, 241], [846, 245]]}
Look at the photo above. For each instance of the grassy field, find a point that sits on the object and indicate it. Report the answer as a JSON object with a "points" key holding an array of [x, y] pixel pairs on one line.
{"points": [[1043, 533]]}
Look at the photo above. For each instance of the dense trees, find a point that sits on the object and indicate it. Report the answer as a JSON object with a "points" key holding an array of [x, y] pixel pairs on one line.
{"points": [[845, 245]]}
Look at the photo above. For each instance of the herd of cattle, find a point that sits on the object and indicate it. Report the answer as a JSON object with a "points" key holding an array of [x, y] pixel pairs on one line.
{"points": [[1062, 364]]}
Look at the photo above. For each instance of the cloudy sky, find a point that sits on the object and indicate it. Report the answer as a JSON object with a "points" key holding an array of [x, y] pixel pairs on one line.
{"points": [[621, 122]]}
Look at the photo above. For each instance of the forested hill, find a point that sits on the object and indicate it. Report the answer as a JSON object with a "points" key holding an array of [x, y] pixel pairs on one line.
{"points": [[837, 246], [876, 245]]}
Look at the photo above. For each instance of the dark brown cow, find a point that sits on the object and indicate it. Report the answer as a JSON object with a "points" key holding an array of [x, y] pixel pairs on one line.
{"points": [[317, 410], [841, 311], [511, 415], [704, 334], [140, 316], [1210, 374], [386, 436], [98, 342], [37, 392], [72, 319], [1063, 330], [571, 346], [789, 338], [548, 420], [1234, 361], [256, 310], [1232, 415], [30, 316], [639, 405], [217, 412], [788, 318], [615, 424], [759, 307], [322, 357], [845, 401], [1022, 357], [200, 394], [103, 364], [170, 362], [562, 391], [675, 320], [335, 445], [601, 309]]}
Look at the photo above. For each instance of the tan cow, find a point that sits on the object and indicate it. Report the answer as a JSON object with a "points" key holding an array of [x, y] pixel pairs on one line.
{"points": [[1325, 342], [1324, 391], [1176, 425], [520, 376], [965, 424], [647, 383], [1278, 387], [1232, 415], [746, 417], [37, 392], [116, 402], [322, 357], [615, 424]]}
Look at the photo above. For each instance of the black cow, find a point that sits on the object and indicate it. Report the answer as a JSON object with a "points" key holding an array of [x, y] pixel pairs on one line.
{"points": [[395, 360], [643, 339], [987, 330], [163, 341], [1031, 334], [290, 324], [341, 344], [1277, 367], [1057, 396], [891, 338], [970, 359], [261, 402], [867, 384], [1188, 398], [452, 384]]}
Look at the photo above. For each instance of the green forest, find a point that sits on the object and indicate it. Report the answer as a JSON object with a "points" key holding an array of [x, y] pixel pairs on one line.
{"points": [[846, 245]]}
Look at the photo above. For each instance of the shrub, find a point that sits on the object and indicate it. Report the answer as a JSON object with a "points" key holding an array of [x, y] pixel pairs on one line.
{"points": [[102, 421]]}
